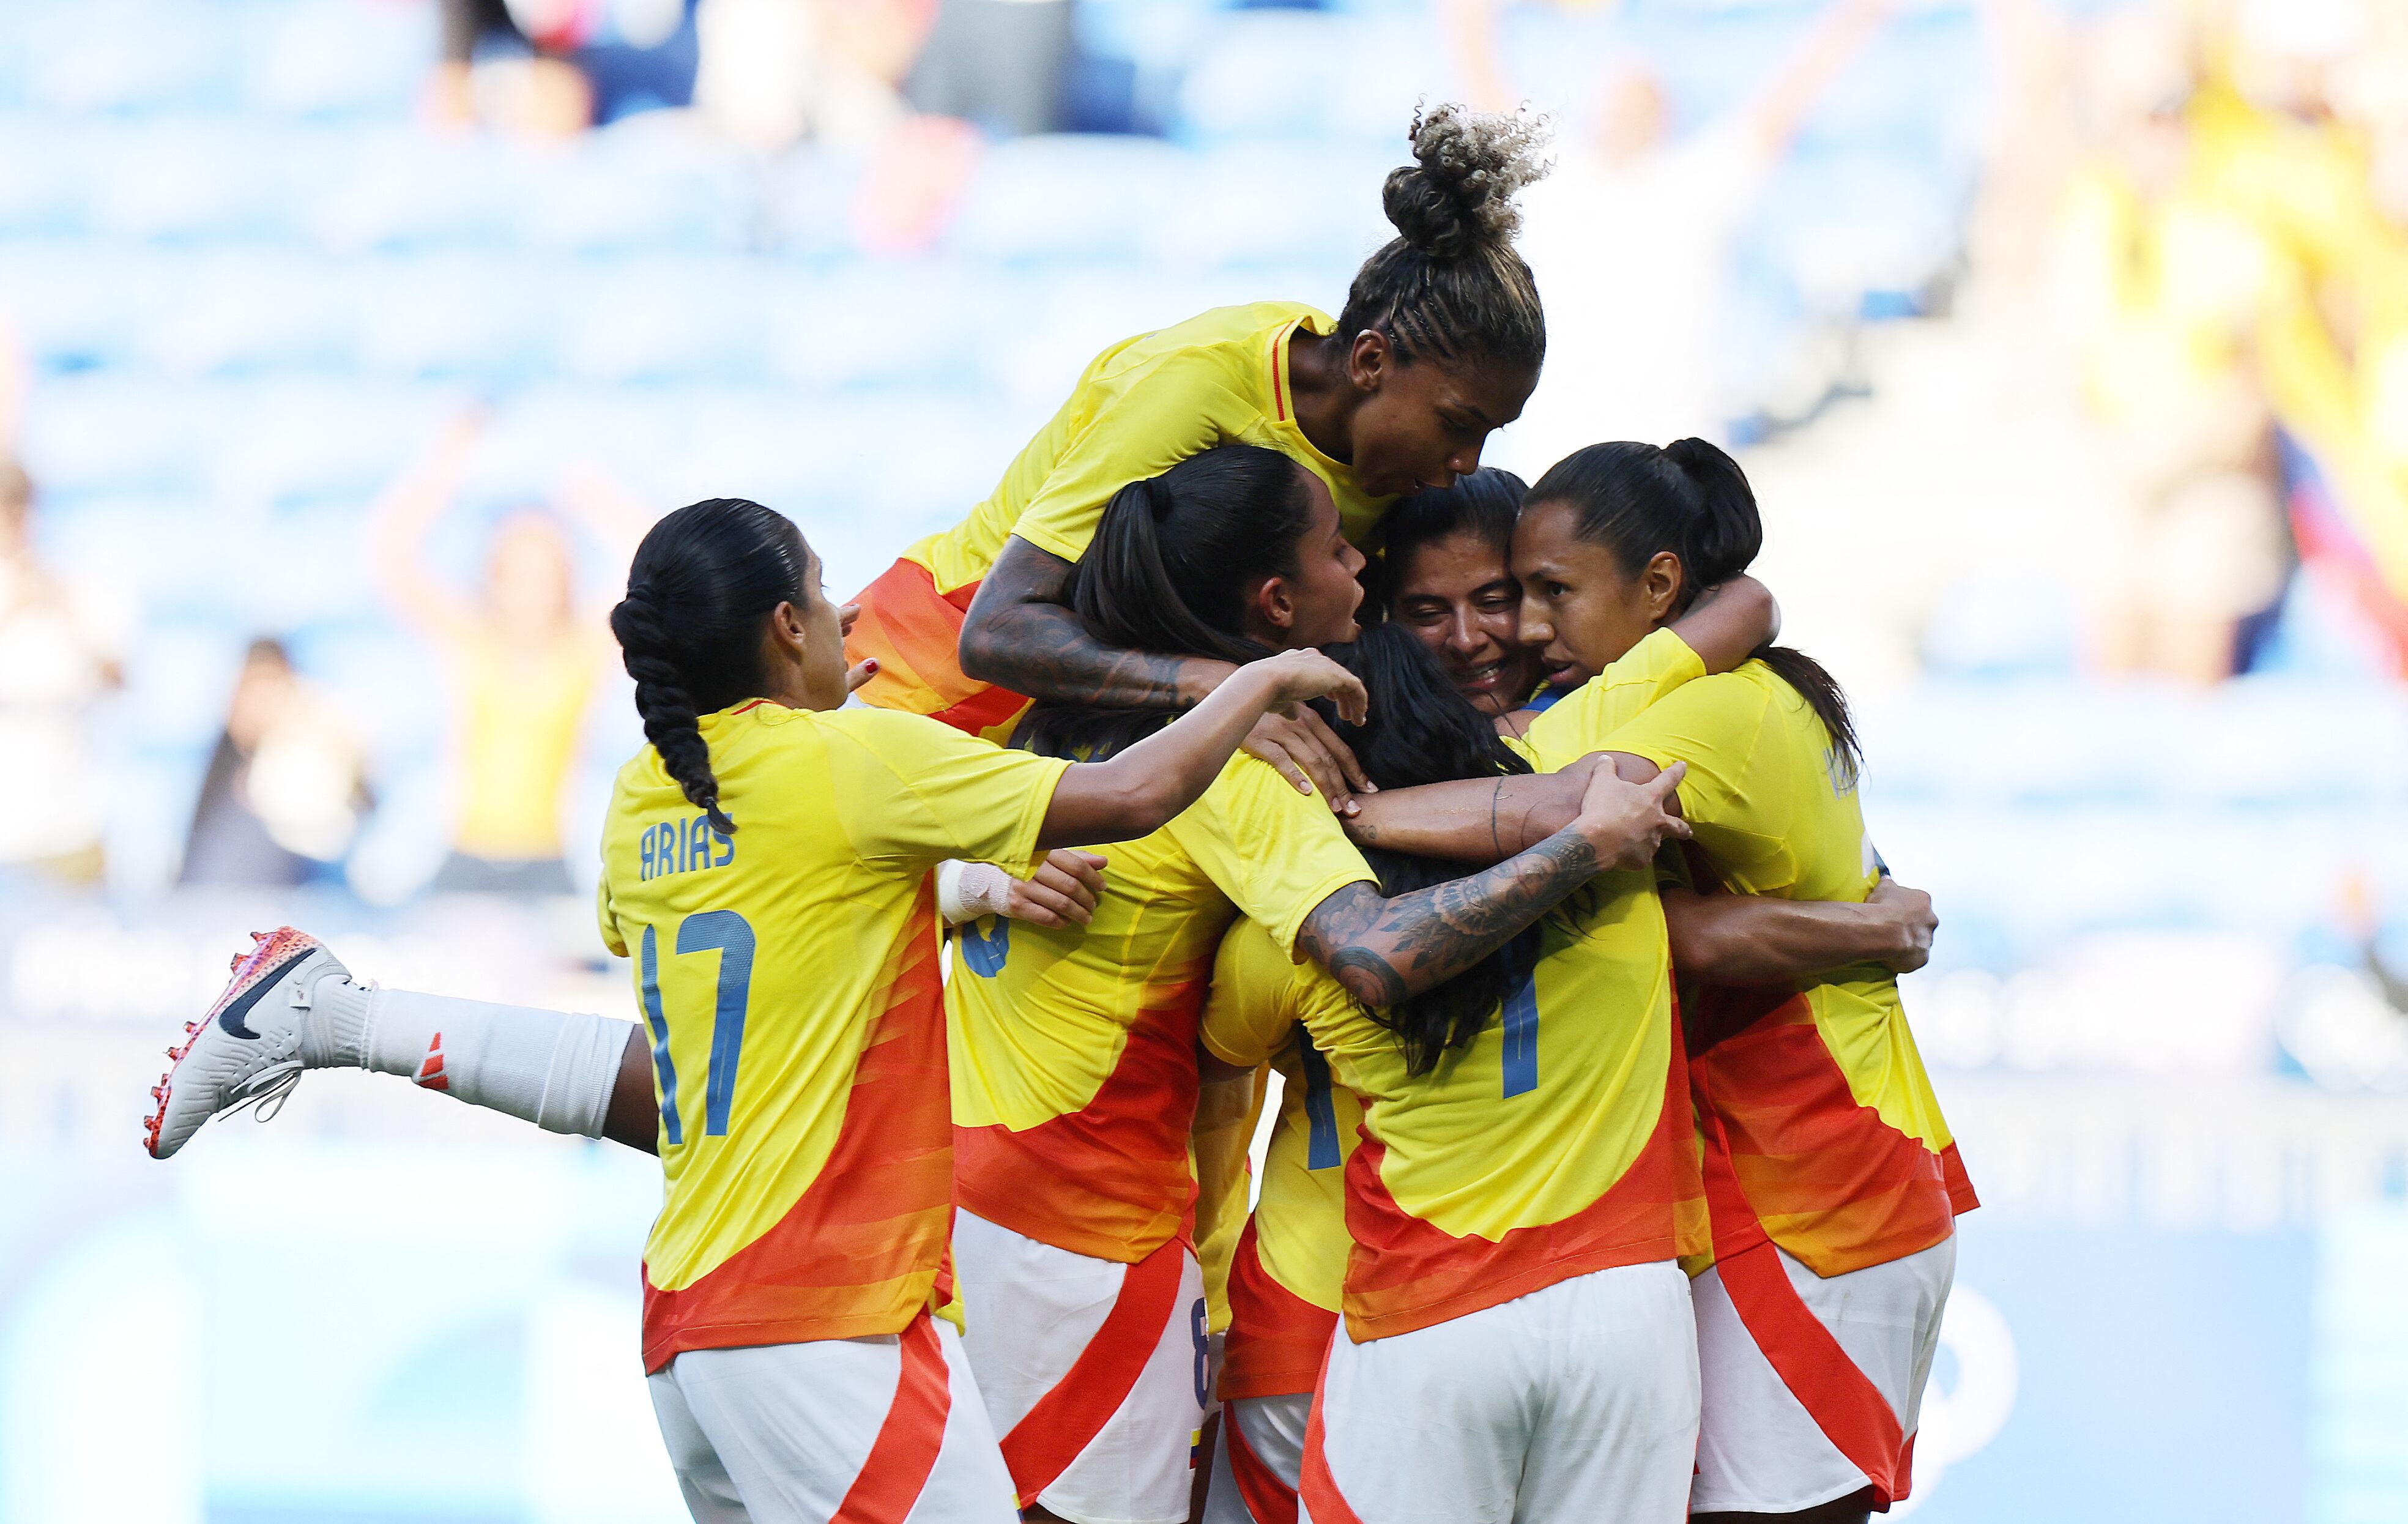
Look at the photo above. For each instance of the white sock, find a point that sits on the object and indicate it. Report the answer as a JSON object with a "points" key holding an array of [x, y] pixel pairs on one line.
{"points": [[556, 1069]]}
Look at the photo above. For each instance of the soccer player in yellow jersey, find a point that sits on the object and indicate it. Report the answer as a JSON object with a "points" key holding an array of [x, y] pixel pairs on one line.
{"points": [[1445, 574], [1284, 1287], [1438, 344], [1832, 1178], [1074, 1049], [767, 866]]}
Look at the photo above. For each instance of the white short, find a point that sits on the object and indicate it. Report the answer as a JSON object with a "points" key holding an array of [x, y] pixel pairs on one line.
{"points": [[1760, 1449], [1576, 1401], [1035, 1310], [882, 1427], [1258, 1460]]}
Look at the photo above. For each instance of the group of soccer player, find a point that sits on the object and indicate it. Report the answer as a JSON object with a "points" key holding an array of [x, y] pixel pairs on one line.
{"points": [[1605, 1181]]}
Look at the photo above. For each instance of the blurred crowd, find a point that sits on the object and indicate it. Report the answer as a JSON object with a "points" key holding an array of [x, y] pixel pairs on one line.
{"points": [[2067, 343]]}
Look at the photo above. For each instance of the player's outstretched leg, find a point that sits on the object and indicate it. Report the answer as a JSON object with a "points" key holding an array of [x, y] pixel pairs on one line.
{"points": [[292, 1005], [248, 1047]]}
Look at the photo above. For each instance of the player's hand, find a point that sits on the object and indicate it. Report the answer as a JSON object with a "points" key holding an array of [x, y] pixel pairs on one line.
{"points": [[1625, 822], [1063, 892], [860, 671], [1308, 755], [1910, 910], [1303, 675]]}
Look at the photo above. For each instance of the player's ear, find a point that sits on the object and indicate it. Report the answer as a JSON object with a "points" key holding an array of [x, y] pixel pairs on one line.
{"points": [[1660, 583], [1274, 602], [1369, 360]]}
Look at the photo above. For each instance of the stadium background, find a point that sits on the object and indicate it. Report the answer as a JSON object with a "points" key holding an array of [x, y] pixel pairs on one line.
{"points": [[2068, 348]]}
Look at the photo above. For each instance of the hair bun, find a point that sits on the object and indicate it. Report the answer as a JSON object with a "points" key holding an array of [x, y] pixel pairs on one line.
{"points": [[1468, 166]]}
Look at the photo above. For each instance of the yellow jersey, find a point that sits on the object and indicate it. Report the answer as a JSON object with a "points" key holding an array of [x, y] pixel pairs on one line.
{"points": [[521, 715], [1141, 408], [1287, 1279], [1074, 1048], [788, 979], [1815, 1096]]}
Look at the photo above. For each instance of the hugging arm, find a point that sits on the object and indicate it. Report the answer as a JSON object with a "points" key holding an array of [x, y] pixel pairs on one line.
{"points": [[1021, 634], [1385, 950], [1740, 939], [1485, 820]]}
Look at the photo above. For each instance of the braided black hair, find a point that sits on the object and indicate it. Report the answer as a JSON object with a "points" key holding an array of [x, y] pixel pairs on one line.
{"points": [[1450, 286], [690, 625], [1691, 498]]}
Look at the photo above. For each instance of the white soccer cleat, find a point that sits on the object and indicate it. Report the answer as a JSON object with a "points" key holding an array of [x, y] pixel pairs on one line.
{"points": [[248, 1048]]}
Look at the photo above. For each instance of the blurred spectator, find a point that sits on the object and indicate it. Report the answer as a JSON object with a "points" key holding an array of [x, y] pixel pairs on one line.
{"points": [[550, 68], [2168, 272], [1001, 65], [285, 790], [61, 641], [774, 72], [1630, 236], [523, 659]]}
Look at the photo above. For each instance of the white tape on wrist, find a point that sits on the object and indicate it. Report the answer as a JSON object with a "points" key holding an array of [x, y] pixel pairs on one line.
{"points": [[965, 891]]}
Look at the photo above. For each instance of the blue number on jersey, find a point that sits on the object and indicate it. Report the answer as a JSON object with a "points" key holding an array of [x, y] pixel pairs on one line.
{"points": [[659, 1023], [985, 952], [732, 935], [1521, 1026], [1320, 1114]]}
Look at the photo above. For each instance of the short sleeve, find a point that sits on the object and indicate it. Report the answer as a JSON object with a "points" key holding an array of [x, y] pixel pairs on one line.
{"points": [[606, 914], [1144, 423], [1249, 1013], [1578, 723], [1274, 852], [1713, 725], [911, 791]]}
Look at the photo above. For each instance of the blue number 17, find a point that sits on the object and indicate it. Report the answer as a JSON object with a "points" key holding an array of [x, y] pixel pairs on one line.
{"points": [[731, 935]]}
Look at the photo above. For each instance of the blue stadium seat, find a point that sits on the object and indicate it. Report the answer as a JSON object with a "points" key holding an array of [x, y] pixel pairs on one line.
{"points": [[1073, 199], [338, 57], [1291, 74]]}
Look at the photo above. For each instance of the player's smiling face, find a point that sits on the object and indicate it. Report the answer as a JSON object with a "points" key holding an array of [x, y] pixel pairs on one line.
{"points": [[1425, 423], [1458, 597], [1580, 605]]}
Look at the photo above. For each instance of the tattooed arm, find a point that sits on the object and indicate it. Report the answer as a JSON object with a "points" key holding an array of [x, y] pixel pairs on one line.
{"points": [[1383, 950], [1021, 634]]}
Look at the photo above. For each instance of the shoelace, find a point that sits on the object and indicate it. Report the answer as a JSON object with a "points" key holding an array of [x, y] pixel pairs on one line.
{"points": [[273, 1088]]}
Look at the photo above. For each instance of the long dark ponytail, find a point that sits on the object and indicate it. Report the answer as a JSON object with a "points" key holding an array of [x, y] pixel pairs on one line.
{"points": [[1450, 285], [1421, 730], [1691, 498], [1168, 571], [690, 625]]}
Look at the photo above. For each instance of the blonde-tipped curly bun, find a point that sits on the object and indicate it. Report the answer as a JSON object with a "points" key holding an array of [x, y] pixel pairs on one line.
{"points": [[1467, 167], [1450, 286]]}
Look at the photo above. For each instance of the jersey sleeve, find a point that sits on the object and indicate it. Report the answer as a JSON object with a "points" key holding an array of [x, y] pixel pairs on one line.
{"points": [[1249, 1013], [1143, 425], [1578, 723], [912, 792], [1274, 852], [1713, 725], [606, 916]]}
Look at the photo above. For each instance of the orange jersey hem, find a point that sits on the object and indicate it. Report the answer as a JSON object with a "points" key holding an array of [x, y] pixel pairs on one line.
{"points": [[1825, 1177], [1112, 1180], [1276, 1340], [1405, 1273]]}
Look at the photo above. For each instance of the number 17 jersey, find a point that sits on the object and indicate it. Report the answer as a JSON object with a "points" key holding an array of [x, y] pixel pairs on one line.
{"points": [[788, 981]]}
